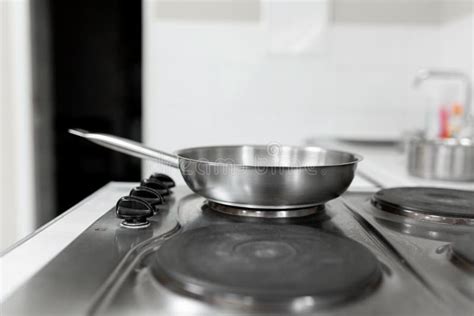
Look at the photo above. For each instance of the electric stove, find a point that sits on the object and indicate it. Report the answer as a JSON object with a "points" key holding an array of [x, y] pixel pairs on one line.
{"points": [[164, 250]]}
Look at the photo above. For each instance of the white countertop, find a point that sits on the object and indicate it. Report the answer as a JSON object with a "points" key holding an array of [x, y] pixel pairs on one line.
{"points": [[389, 168], [384, 166], [29, 255]]}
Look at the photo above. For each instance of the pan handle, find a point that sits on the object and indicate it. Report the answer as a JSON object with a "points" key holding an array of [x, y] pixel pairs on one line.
{"points": [[128, 147]]}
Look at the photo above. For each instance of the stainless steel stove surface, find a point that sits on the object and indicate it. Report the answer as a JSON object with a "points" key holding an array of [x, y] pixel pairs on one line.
{"points": [[352, 256]]}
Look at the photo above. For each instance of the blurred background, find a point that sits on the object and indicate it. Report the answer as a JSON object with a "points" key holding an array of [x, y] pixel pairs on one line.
{"points": [[180, 73]]}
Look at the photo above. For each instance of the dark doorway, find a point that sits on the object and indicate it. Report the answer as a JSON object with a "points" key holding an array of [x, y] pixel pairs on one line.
{"points": [[95, 58]]}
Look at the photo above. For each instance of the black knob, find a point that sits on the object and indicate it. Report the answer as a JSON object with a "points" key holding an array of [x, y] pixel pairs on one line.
{"points": [[148, 194], [156, 185], [134, 211], [163, 178]]}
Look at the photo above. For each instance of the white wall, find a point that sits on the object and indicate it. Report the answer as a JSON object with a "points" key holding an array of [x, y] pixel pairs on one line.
{"points": [[457, 33], [216, 81], [17, 200], [457, 37]]}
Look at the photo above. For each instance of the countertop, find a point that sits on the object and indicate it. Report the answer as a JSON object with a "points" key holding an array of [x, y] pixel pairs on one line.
{"points": [[23, 259]]}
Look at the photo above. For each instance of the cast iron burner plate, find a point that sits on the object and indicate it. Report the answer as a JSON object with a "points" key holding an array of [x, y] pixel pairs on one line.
{"points": [[432, 204], [267, 263]]}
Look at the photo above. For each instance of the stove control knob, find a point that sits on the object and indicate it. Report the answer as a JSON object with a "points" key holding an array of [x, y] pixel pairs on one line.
{"points": [[134, 211], [163, 178], [150, 195], [156, 185]]}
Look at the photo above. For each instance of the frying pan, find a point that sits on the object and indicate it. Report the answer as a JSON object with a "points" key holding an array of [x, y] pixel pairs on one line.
{"points": [[251, 176]]}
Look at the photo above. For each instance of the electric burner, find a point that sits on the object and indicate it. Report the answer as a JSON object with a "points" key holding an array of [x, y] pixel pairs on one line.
{"points": [[266, 264], [436, 205], [427, 230], [265, 213]]}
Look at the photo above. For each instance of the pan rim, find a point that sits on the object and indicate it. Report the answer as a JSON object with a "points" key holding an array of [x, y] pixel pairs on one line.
{"points": [[356, 157]]}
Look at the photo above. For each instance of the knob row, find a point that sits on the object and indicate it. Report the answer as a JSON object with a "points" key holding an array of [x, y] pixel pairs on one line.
{"points": [[143, 201]]}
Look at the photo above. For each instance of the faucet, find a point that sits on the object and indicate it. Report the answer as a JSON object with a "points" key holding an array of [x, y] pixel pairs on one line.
{"points": [[425, 74]]}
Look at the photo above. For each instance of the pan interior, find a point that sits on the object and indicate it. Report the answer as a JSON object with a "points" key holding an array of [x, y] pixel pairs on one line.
{"points": [[269, 156]]}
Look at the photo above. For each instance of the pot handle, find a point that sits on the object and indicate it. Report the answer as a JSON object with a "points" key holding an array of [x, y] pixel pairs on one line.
{"points": [[128, 147]]}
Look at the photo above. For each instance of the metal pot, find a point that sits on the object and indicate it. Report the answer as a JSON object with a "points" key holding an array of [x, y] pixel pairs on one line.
{"points": [[441, 159]]}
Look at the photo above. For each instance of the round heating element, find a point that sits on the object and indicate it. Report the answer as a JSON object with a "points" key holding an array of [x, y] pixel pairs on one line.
{"points": [[269, 264], [265, 213], [429, 204]]}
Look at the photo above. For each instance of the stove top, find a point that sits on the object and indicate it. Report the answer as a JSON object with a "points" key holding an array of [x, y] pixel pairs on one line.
{"points": [[184, 256]]}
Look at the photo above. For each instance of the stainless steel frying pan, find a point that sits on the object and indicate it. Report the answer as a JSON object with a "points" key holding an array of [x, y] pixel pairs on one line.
{"points": [[264, 177]]}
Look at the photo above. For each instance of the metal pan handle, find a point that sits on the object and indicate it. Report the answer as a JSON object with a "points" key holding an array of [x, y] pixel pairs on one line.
{"points": [[128, 147]]}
